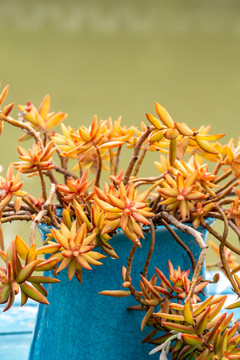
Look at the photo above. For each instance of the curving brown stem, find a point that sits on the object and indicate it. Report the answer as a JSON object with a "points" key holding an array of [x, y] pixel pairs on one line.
{"points": [[23, 126], [197, 236], [99, 167], [180, 242], [117, 161], [10, 206], [139, 163], [234, 228], [150, 251], [217, 168], [43, 184], [216, 234], [155, 203], [48, 205], [221, 251], [222, 177], [149, 179], [34, 225], [136, 151], [222, 194], [51, 176], [226, 185], [111, 161], [13, 217], [64, 165], [134, 292], [63, 171], [30, 205], [42, 213], [225, 201]]}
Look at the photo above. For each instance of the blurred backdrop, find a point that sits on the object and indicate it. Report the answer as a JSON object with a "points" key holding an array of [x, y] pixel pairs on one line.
{"points": [[116, 58]]}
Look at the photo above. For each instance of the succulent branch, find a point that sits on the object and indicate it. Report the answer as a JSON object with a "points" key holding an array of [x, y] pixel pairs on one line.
{"points": [[183, 195]]}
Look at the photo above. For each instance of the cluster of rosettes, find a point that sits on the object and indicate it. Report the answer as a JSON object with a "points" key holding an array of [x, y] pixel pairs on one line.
{"points": [[196, 330], [19, 275], [202, 333]]}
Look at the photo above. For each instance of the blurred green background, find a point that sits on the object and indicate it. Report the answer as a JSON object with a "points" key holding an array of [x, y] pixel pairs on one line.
{"points": [[116, 58]]}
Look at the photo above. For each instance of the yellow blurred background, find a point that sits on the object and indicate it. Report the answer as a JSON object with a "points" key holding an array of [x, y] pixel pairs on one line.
{"points": [[116, 58]]}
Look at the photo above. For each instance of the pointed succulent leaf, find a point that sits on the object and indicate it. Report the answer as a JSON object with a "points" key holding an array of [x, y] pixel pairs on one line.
{"points": [[178, 327], [147, 316], [172, 317], [10, 301], [192, 339], [183, 129], [187, 313], [48, 249], [115, 293], [164, 115], [202, 321], [43, 279], [26, 271], [203, 355], [33, 293], [47, 264], [21, 247]]}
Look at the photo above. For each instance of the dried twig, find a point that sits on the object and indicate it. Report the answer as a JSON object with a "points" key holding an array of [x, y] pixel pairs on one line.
{"points": [[136, 151], [99, 167], [150, 251], [116, 166], [16, 217], [48, 205], [149, 179], [128, 275], [63, 171], [180, 242], [222, 177], [43, 184], [222, 194], [34, 225], [23, 126], [139, 163], [197, 236], [216, 234], [222, 254]]}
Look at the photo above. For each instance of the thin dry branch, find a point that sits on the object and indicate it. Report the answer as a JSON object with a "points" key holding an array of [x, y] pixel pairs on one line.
{"points": [[217, 235], [149, 179], [197, 236], [48, 205], [117, 161], [23, 126], [43, 184], [222, 253], [150, 251], [99, 167], [180, 242], [14, 217], [134, 292], [136, 151], [139, 163], [222, 177], [222, 194], [34, 225], [63, 171]]}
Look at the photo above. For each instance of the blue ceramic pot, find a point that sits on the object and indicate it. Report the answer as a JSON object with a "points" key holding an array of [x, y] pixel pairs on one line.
{"points": [[79, 324]]}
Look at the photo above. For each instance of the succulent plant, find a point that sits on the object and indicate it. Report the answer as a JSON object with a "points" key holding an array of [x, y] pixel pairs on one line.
{"points": [[198, 178]]}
